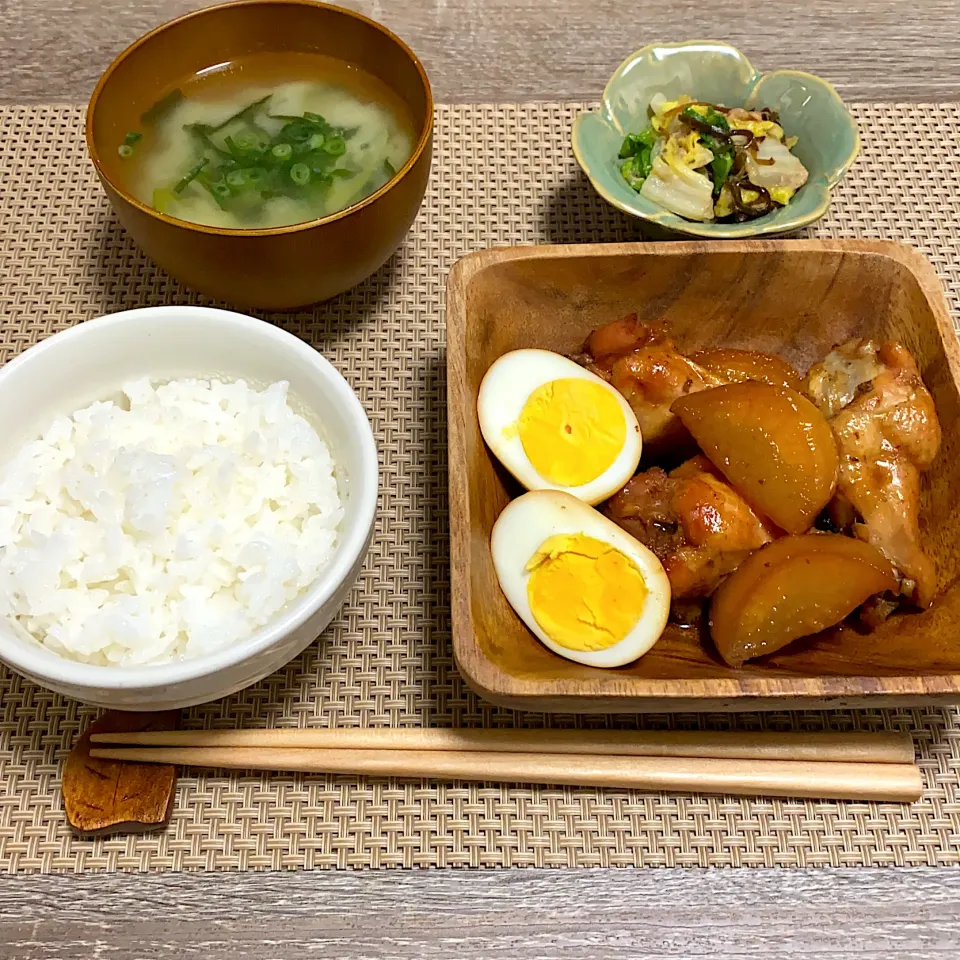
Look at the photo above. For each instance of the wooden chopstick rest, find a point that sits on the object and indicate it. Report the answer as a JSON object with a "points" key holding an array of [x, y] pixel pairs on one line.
{"points": [[103, 796]]}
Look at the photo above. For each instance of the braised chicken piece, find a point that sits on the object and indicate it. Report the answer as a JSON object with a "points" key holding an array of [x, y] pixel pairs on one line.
{"points": [[641, 361], [699, 527], [887, 432]]}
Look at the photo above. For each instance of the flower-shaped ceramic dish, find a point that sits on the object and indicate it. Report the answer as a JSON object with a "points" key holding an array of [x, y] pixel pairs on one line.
{"points": [[809, 108]]}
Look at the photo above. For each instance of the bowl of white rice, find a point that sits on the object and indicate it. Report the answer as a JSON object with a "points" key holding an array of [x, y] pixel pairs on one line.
{"points": [[186, 498]]}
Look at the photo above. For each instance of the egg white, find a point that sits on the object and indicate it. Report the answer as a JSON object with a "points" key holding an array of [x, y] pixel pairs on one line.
{"points": [[505, 389], [531, 519]]}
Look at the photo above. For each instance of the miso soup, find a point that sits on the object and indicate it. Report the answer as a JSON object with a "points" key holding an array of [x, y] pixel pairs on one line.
{"points": [[266, 141]]}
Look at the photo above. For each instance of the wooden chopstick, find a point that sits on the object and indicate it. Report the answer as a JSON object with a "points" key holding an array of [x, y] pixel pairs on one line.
{"points": [[770, 778], [883, 747]]}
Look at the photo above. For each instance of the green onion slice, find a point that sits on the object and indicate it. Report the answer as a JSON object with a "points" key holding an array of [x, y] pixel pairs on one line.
{"points": [[246, 164], [335, 146], [300, 174]]}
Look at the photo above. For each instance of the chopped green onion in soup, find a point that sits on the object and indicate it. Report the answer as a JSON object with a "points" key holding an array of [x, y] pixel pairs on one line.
{"points": [[263, 158]]}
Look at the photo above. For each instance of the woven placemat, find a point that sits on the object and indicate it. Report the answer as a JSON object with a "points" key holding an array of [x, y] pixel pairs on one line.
{"points": [[502, 175]]}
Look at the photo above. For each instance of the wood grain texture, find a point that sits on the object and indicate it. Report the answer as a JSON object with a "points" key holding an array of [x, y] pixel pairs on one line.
{"points": [[707, 294], [852, 747], [514, 915], [516, 50], [100, 796], [898, 782]]}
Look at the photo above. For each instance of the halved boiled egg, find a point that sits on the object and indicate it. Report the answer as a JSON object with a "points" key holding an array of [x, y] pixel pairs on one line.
{"points": [[584, 587], [556, 426]]}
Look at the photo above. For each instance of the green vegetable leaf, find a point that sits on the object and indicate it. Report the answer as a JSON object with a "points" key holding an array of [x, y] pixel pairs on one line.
{"points": [[636, 143], [637, 156], [724, 156], [720, 167], [636, 169], [716, 146], [709, 117]]}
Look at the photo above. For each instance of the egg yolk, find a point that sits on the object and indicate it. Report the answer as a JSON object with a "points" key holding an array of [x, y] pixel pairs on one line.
{"points": [[572, 430], [584, 593]]}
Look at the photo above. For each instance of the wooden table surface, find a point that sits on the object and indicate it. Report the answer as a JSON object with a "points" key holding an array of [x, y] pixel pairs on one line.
{"points": [[510, 914], [507, 50], [482, 50]]}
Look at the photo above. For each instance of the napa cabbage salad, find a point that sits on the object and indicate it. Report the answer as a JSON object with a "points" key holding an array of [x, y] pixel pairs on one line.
{"points": [[706, 162]]}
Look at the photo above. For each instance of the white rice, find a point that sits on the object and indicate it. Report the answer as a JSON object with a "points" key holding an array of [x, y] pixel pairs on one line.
{"points": [[174, 523]]}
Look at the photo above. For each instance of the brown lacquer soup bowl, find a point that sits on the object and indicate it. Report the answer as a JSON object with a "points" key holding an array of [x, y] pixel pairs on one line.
{"points": [[276, 267]]}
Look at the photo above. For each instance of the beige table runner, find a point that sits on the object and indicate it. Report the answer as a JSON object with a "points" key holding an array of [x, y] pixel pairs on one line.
{"points": [[502, 175]]}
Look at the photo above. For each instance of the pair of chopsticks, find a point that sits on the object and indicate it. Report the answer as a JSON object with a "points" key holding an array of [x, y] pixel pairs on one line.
{"points": [[851, 766]]}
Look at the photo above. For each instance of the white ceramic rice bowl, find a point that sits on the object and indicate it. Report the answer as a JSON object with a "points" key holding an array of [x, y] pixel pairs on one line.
{"points": [[88, 362]]}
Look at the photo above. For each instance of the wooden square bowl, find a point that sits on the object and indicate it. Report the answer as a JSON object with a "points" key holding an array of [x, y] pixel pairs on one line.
{"points": [[794, 298]]}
